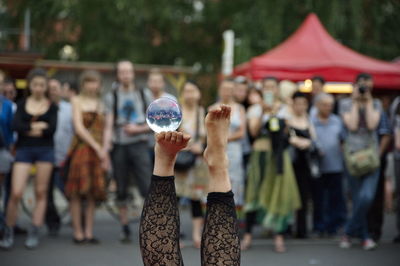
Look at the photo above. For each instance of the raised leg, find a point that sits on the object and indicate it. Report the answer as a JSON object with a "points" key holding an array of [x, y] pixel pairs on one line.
{"points": [[159, 225], [220, 242]]}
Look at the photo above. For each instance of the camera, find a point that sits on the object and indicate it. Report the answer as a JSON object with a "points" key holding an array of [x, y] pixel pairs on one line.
{"points": [[362, 89]]}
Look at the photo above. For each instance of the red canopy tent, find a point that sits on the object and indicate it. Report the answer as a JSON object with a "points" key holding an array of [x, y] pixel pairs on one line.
{"points": [[312, 51]]}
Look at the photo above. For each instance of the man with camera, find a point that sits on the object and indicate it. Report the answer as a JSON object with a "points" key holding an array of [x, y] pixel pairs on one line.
{"points": [[361, 115]]}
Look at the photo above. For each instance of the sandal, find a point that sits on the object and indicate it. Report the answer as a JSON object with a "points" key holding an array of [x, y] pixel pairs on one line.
{"points": [[78, 241], [93, 241]]}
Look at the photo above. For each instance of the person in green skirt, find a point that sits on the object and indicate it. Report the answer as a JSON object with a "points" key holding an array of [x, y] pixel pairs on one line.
{"points": [[272, 195]]}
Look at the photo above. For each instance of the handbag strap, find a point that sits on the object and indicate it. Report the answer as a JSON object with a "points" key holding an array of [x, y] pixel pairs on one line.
{"points": [[197, 132]]}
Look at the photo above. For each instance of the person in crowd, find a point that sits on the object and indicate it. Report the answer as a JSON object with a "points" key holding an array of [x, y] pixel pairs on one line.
{"points": [[361, 115], [317, 87], [286, 91], [89, 157], [156, 84], [159, 225], [62, 141], [395, 121], [187, 182], [254, 96], [6, 140], [241, 91], [2, 78], [302, 136], [7, 89], [35, 121], [127, 132], [236, 133], [10, 92], [270, 173], [69, 90], [329, 205], [376, 211]]}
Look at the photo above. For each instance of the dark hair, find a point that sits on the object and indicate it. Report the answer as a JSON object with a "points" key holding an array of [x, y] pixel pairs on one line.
{"points": [[364, 76], [9, 81], [318, 78], [299, 94], [254, 89], [36, 72], [73, 86], [189, 81], [270, 78]]}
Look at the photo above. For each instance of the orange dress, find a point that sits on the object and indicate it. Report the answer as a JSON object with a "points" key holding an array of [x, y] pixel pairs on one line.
{"points": [[86, 177]]}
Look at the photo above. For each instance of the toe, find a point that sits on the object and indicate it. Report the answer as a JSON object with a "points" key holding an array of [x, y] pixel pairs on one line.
{"points": [[168, 136], [173, 136], [179, 137], [185, 138]]}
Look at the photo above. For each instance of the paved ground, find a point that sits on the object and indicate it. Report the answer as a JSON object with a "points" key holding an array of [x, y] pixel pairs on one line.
{"points": [[61, 252]]}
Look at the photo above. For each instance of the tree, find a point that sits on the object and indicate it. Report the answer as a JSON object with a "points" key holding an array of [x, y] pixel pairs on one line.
{"points": [[188, 32]]}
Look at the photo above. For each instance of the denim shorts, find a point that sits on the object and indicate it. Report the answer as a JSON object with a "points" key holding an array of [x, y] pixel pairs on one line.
{"points": [[35, 154]]}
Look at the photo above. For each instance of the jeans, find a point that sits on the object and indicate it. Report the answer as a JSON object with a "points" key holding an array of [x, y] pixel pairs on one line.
{"points": [[329, 212], [53, 220], [5, 194], [397, 175], [363, 192], [376, 211], [127, 159]]}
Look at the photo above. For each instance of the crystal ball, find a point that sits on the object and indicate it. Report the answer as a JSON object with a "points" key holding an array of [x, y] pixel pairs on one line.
{"points": [[164, 114]]}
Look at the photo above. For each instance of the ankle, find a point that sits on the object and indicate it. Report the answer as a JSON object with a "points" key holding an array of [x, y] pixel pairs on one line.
{"points": [[164, 166]]}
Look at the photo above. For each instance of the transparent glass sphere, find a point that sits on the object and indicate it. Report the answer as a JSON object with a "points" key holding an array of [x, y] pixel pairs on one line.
{"points": [[164, 114]]}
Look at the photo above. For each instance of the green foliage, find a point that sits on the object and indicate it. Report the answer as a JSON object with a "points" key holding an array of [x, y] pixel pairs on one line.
{"points": [[174, 32]]}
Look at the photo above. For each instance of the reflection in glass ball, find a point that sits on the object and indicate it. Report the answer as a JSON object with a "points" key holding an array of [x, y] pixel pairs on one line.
{"points": [[164, 114]]}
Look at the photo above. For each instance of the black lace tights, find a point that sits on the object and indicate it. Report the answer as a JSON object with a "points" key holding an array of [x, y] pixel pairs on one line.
{"points": [[159, 227]]}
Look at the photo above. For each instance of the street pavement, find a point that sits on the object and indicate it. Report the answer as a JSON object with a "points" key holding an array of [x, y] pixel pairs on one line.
{"points": [[59, 251]]}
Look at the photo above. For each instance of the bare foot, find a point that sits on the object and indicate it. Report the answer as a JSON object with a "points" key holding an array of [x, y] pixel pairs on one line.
{"points": [[245, 244], [279, 244], [197, 224], [217, 125], [168, 144]]}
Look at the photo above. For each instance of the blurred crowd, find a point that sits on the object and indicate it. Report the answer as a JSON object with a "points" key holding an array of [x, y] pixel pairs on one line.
{"points": [[292, 156]]}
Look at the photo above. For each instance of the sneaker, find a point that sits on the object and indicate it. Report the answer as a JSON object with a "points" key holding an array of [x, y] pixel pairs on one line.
{"points": [[369, 244], [8, 238], [32, 240], [126, 235], [345, 242], [396, 240]]}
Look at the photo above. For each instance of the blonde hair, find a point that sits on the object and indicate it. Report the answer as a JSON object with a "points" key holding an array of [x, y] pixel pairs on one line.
{"points": [[87, 76], [286, 89]]}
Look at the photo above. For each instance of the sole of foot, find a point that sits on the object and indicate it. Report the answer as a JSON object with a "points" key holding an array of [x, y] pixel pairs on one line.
{"points": [[217, 124]]}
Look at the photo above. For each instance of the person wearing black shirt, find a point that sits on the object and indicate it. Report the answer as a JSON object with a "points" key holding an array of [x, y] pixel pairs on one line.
{"points": [[35, 122]]}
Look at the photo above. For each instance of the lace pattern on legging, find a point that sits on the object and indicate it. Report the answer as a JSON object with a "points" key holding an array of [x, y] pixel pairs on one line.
{"points": [[220, 240], [159, 225]]}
